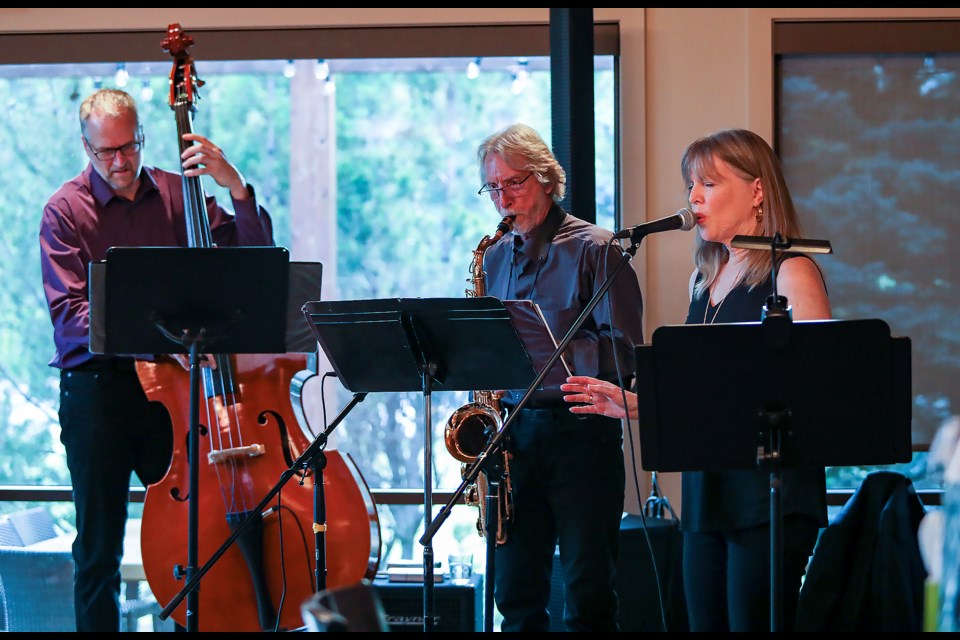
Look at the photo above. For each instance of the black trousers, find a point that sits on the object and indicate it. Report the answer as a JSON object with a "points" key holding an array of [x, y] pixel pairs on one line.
{"points": [[726, 575], [567, 476], [109, 430]]}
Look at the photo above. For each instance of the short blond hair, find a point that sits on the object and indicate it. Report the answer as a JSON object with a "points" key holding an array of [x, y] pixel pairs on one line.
{"points": [[109, 103]]}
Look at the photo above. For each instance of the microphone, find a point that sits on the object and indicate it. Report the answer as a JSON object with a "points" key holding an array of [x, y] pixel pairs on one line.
{"points": [[682, 219]]}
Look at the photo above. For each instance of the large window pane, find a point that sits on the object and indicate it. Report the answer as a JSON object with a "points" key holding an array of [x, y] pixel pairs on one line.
{"points": [[869, 145], [401, 167]]}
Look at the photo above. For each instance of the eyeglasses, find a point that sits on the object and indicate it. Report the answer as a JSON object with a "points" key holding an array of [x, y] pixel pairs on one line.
{"points": [[512, 187], [128, 150]]}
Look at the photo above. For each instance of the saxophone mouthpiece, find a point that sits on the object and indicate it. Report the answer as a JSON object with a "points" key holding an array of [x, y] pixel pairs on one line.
{"points": [[504, 227]]}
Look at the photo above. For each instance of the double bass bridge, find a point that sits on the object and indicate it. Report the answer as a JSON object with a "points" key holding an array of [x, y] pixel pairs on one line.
{"points": [[224, 455]]}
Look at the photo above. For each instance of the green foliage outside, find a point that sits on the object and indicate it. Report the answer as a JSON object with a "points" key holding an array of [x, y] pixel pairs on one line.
{"points": [[408, 219]]}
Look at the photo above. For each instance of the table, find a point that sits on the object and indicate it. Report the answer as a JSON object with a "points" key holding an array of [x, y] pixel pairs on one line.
{"points": [[131, 565]]}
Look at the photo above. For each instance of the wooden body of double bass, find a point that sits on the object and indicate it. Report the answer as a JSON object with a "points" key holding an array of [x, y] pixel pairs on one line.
{"points": [[228, 599]]}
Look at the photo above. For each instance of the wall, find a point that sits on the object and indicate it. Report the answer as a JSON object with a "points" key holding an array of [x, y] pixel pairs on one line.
{"points": [[685, 72]]}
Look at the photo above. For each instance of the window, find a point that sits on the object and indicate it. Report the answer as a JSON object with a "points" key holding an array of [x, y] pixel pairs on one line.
{"points": [[366, 165], [868, 133]]}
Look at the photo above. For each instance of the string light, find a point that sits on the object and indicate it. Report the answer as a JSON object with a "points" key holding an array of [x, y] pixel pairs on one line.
{"points": [[473, 69], [933, 80], [121, 76], [322, 70], [880, 77], [146, 91], [521, 78], [289, 70]]}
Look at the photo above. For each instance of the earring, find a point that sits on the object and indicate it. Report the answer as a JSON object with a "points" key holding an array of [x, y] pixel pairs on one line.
{"points": [[759, 216]]}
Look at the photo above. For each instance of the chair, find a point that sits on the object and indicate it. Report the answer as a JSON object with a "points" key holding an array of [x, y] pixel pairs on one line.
{"points": [[37, 589], [36, 586], [8, 535], [136, 602], [26, 527], [353, 608], [32, 535]]}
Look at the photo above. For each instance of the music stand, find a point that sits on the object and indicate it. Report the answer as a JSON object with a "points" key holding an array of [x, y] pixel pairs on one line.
{"points": [[158, 300], [421, 344], [833, 393]]}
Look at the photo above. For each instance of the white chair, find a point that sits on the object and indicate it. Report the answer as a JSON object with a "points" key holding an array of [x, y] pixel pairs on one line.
{"points": [[27, 527]]}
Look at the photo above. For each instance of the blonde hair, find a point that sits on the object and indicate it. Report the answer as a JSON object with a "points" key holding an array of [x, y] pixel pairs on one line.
{"points": [[750, 157], [110, 103], [522, 148]]}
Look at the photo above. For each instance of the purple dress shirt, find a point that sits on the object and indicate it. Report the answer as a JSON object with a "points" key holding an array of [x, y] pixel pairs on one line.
{"points": [[84, 218]]}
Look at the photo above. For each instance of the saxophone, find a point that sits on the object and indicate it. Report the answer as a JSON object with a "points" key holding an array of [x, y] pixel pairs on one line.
{"points": [[471, 426]]}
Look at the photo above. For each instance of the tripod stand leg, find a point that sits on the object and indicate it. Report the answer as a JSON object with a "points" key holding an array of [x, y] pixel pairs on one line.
{"points": [[772, 455], [776, 553], [193, 515], [429, 370], [492, 523], [319, 522]]}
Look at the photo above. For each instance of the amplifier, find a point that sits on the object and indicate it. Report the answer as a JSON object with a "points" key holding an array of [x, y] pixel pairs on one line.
{"points": [[637, 580], [456, 607]]}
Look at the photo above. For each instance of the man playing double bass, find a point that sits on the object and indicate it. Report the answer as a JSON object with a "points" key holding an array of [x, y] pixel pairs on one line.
{"points": [[108, 426]]}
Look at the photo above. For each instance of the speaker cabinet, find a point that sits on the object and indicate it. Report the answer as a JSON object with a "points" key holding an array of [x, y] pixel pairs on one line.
{"points": [[636, 579], [456, 607]]}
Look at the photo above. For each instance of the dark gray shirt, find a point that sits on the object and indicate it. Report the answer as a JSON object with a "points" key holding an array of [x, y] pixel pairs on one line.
{"points": [[560, 265]]}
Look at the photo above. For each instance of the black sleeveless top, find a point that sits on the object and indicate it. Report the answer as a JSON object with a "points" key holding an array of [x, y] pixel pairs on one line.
{"points": [[730, 500]]}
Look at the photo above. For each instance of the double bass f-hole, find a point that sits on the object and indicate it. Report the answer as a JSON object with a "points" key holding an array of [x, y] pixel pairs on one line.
{"points": [[247, 444], [285, 448]]}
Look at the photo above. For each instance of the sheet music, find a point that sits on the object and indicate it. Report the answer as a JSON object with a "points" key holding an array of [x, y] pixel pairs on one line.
{"points": [[538, 340]]}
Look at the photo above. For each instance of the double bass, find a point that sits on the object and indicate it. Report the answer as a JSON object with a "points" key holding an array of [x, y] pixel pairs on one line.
{"points": [[249, 437]]}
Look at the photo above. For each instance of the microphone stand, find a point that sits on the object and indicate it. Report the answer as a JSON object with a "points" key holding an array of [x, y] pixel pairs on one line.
{"points": [[494, 446], [313, 457], [776, 321]]}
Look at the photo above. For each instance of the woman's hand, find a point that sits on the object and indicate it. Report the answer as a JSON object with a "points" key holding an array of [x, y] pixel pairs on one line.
{"points": [[599, 397]]}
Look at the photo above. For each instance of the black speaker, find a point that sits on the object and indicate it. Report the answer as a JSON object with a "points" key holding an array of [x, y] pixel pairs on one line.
{"points": [[636, 579], [456, 607]]}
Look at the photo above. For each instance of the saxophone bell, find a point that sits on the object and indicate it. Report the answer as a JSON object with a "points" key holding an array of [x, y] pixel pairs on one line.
{"points": [[469, 429]]}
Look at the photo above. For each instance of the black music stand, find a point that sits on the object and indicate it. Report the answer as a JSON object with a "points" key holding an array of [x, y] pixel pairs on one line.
{"points": [[162, 300], [811, 393], [167, 300], [421, 344]]}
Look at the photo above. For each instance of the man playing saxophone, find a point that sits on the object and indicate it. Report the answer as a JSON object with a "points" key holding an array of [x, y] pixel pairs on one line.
{"points": [[567, 473]]}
